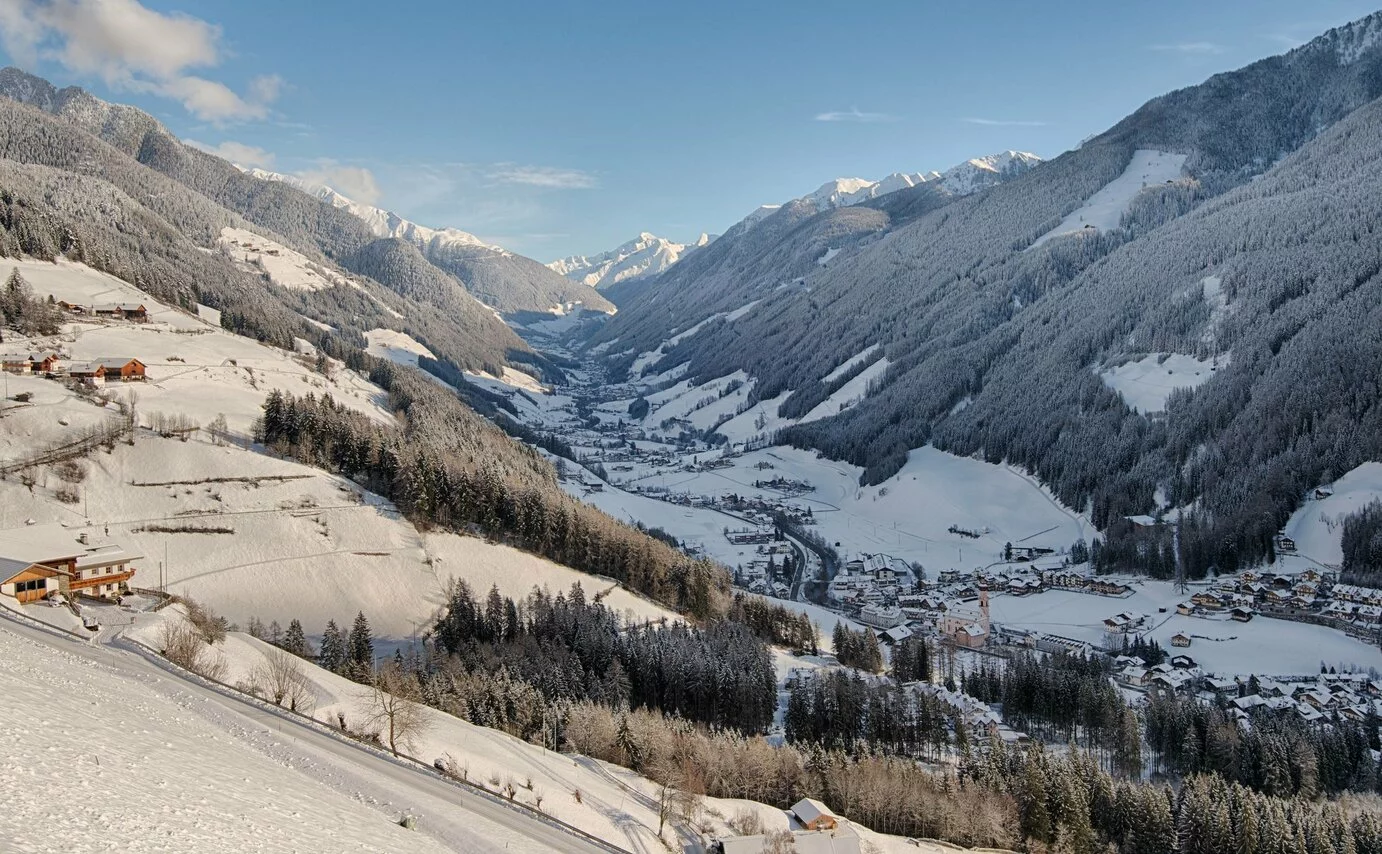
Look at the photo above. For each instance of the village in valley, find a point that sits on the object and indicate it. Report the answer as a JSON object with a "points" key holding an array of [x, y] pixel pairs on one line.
{"points": [[924, 561], [975, 562]]}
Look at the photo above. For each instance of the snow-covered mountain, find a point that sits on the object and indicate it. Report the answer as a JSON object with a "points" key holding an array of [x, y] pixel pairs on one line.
{"points": [[384, 223], [648, 254], [960, 180], [645, 255], [503, 280]]}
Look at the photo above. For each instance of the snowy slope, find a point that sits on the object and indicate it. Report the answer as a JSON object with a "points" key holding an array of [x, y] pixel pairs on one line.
{"points": [[645, 255], [848, 394], [305, 543], [98, 761], [1104, 210], [1317, 527], [1147, 382], [396, 346]]}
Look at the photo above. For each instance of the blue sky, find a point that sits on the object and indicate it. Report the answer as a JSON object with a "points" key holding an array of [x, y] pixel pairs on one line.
{"points": [[567, 127]]}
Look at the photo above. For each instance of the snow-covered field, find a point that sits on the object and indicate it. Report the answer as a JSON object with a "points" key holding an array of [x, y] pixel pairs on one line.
{"points": [[77, 283], [1146, 383], [907, 516], [396, 346], [848, 394], [285, 267], [1263, 646], [849, 363], [1104, 210]]}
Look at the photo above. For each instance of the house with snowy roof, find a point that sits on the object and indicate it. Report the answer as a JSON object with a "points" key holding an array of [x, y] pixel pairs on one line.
{"points": [[814, 815], [39, 560]]}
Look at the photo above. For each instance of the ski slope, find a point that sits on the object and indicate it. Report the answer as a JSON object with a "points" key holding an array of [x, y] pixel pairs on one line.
{"points": [[1104, 210]]}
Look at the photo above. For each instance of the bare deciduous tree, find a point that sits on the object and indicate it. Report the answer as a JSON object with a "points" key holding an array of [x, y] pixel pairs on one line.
{"points": [[183, 645], [280, 678], [393, 707]]}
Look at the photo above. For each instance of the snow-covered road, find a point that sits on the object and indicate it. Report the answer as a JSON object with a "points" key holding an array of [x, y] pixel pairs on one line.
{"points": [[453, 817]]}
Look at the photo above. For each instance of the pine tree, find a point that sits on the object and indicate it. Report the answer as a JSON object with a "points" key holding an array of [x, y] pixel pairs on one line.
{"points": [[295, 642], [333, 652], [361, 645]]}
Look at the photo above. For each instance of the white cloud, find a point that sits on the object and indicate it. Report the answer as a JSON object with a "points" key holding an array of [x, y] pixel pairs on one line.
{"points": [[354, 182], [238, 153], [1004, 123], [131, 47], [1191, 48], [542, 176], [854, 114]]}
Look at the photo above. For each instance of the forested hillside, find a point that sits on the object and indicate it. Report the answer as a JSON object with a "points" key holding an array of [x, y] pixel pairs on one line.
{"points": [[72, 130], [1262, 253]]}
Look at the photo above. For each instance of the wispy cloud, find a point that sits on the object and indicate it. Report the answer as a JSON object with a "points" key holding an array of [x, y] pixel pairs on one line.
{"points": [[1004, 123], [854, 114], [548, 177], [133, 48], [238, 153], [355, 182], [1189, 48]]}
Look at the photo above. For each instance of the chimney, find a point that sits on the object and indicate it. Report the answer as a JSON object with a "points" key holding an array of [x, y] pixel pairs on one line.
{"points": [[81, 538]]}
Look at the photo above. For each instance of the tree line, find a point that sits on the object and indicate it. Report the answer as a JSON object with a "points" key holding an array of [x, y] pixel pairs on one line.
{"points": [[454, 488], [718, 674]]}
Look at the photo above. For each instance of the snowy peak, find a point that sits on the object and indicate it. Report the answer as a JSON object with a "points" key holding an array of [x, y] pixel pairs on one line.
{"points": [[382, 222], [980, 172], [963, 179], [645, 255]]}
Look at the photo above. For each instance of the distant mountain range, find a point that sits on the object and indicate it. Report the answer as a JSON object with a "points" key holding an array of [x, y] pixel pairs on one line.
{"points": [[648, 255], [645, 255], [502, 280], [959, 180]]}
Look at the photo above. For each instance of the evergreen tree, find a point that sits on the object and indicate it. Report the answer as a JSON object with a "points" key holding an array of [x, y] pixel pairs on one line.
{"points": [[333, 652], [361, 646], [295, 642]]}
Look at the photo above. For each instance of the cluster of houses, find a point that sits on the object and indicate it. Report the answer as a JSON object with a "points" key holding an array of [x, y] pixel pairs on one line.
{"points": [[872, 579], [131, 311], [41, 561], [48, 363], [1310, 594], [1322, 697], [761, 574], [1346, 696], [1177, 674], [980, 718]]}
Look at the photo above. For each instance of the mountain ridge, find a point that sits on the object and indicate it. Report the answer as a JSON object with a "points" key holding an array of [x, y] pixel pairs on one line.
{"points": [[645, 255]]}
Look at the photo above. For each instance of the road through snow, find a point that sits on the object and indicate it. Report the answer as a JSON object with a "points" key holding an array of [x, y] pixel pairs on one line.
{"points": [[455, 818]]}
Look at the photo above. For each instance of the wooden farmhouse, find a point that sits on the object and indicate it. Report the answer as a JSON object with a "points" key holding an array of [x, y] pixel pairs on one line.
{"points": [[40, 560]]}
